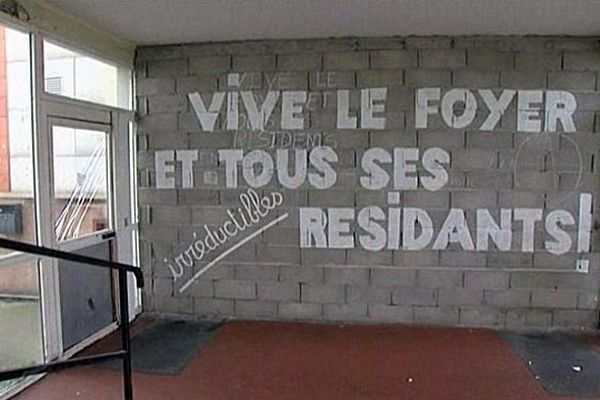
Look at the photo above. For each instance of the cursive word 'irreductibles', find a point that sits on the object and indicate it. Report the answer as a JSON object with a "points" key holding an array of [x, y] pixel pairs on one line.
{"points": [[252, 212]]}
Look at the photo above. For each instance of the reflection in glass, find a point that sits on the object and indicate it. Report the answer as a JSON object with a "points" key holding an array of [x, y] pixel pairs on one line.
{"points": [[17, 212], [71, 74], [80, 184], [20, 318], [20, 306]]}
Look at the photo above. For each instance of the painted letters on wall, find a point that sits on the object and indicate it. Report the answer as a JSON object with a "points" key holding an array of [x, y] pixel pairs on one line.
{"points": [[275, 152]]}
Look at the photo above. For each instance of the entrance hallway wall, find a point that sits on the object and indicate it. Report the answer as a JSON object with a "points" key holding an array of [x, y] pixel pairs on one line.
{"points": [[421, 180]]}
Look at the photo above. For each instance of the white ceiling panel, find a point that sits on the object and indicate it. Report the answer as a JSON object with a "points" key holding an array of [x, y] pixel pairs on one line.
{"points": [[148, 22]]}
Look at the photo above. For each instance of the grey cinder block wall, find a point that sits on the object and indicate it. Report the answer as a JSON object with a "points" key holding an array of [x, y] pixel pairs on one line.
{"points": [[508, 165]]}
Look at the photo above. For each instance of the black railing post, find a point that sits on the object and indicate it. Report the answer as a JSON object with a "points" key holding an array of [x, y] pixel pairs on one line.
{"points": [[125, 343], [124, 353]]}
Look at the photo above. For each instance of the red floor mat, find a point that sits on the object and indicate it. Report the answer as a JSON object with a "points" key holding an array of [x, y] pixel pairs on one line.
{"points": [[288, 361]]}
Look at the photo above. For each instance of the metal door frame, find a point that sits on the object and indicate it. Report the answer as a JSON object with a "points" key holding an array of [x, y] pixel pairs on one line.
{"points": [[64, 118]]}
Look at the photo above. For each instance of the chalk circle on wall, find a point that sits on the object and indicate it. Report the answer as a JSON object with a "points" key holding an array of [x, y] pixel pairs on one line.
{"points": [[544, 147]]}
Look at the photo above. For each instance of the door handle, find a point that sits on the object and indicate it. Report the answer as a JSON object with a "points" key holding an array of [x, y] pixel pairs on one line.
{"points": [[108, 235]]}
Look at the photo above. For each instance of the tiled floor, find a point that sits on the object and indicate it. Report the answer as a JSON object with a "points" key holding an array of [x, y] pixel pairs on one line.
{"points": [[289, 361]]}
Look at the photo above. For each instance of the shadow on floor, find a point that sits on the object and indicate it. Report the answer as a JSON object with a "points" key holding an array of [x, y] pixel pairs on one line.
{"points": [[565, 365]]}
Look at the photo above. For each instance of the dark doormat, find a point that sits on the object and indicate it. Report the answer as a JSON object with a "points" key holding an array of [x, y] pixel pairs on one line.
{"points": [[167, 346], [562, 364]]}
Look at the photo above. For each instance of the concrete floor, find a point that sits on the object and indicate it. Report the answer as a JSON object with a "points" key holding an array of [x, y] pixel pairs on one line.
{"points": [[289, 361]]}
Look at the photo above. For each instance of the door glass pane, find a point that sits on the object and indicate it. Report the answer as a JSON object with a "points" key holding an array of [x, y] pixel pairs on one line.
{"points": [[79, 162], [20, 318], [17, 214], [71, 74]]}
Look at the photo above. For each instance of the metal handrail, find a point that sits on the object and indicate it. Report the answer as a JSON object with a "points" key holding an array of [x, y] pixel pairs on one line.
{"points": [[64, 255], [124, 353]]}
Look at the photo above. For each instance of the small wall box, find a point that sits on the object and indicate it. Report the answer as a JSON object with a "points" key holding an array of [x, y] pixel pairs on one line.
{"points": [[11, 219]]}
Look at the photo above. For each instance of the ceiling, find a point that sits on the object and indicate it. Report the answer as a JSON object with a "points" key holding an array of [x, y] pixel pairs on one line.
{"points": [[147, 22]]}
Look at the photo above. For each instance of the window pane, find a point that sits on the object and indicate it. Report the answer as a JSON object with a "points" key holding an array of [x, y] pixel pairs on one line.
{"points": [[71, 74], [80, 182], [17, 212], [20, 318]]}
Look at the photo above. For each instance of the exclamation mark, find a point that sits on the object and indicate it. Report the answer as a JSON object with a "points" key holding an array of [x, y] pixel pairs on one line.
{"points": [[584, 232]]}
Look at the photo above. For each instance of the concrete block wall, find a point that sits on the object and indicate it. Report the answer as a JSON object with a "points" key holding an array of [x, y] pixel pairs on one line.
{"points": [[271, 277]]}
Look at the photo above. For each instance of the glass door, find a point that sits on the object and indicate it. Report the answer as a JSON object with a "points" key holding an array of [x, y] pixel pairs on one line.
{"points": [[82, 223]]}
